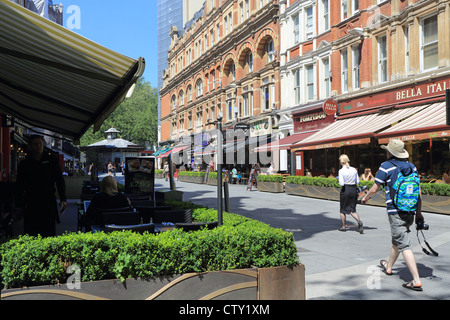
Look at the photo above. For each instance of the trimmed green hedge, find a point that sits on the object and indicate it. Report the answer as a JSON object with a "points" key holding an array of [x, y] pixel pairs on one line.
{"points": [[192, 173], [240, 243], [270, 178], [427, 188]]}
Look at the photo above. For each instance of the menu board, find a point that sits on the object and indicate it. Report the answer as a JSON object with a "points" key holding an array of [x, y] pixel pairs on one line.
{"points": [[140, 176]]}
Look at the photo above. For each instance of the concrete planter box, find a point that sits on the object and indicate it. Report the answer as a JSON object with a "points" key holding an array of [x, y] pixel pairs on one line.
{"points": [[159, 175], [281, 283], [273, 187], [434, 204], [191, 179]]}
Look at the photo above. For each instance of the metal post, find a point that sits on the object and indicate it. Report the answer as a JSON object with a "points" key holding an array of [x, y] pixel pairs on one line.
{"points": [[227, 197], [219, 170], [447, 95]]}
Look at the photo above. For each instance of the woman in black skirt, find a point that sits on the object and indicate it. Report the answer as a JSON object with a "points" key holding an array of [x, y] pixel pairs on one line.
{"points": [[348, 179]]}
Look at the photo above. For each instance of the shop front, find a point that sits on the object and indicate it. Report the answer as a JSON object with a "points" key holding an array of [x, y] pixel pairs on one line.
{"points": [[415, 114]]}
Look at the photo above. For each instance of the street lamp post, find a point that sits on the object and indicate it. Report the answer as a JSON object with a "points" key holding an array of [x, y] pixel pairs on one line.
{"points": [[219, 170]]}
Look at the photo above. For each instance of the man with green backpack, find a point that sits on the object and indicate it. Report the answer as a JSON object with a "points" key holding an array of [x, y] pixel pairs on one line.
{"points": [[403, 202]]}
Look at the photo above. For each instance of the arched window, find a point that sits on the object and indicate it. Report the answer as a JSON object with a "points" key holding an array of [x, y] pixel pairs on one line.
{"points": [[199, 87], [270, 50]]}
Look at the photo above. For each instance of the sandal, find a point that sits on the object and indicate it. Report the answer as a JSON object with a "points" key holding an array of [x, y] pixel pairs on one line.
{"points": [[383, 264], [412, 286], [360, 227], [343, 229]]}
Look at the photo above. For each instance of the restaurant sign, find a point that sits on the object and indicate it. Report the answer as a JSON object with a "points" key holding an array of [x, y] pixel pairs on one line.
{"points": [[418, 136], [312, 122], [260, 128], [413, 93], [330, 107]]}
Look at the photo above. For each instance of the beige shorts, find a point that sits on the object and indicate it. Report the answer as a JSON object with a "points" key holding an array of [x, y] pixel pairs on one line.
{"points": [[400, 229]]}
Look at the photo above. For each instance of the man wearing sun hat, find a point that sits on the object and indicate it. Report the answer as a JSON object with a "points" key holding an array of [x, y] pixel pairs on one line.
{"points": [[400, 221]]}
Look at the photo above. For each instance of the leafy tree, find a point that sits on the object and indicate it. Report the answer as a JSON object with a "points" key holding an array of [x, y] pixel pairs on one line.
{"points": [[136, 118]]}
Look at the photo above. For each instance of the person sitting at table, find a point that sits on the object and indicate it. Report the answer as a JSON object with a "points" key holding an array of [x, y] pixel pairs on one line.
{"points": [[108, 198], [367, 175], [446, 176]]}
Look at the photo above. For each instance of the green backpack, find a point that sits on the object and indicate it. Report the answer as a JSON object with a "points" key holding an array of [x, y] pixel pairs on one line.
{"points": [[405, 189]]}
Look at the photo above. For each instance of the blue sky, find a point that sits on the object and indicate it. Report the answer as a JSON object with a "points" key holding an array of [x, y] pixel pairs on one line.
{"points": [[128, 27]]}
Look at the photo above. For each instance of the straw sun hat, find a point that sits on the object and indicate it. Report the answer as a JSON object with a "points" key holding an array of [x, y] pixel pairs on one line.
{"points": [[397, 149]]}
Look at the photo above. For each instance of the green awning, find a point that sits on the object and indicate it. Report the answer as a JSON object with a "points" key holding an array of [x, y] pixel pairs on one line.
{"points": [[55, 79]]}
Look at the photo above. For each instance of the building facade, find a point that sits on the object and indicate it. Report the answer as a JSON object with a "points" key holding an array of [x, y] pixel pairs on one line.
{"points": [[226, 63], [171, 13], [317, 78]]}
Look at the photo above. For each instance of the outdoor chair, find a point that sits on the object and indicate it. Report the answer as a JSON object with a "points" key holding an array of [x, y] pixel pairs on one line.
{"points": [[104, 218], [174, 216], [147, 212]]}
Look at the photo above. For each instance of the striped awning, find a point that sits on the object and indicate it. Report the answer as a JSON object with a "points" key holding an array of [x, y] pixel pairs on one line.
{"points": [[429, 123], [356, 130], [55, 79]]}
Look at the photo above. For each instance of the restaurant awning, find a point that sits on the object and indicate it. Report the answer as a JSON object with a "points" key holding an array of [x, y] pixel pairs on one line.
{"points": [[285, 143], [355, 130], [426, 124], [173, 151], [55, 79]]}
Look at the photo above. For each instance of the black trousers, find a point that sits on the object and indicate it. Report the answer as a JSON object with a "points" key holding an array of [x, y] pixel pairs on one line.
{"points": [[40, 216]]}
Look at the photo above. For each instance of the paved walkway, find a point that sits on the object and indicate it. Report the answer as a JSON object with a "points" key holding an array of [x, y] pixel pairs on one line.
{"points": [[340, 265]]}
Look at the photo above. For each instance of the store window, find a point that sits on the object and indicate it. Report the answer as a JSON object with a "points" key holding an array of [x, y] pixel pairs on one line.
{"points": [[430, 48]]}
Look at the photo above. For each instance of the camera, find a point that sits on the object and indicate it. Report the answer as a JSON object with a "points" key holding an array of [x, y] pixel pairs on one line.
{"points": [[422, 226]]}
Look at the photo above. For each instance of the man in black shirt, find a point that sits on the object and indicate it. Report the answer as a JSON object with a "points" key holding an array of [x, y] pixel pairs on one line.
{"points": [[36, 179]]}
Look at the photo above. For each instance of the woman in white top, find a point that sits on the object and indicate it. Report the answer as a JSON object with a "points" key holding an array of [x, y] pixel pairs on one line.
{"points": [[348, 179]]}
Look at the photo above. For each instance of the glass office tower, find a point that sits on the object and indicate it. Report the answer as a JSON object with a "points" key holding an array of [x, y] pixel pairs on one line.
{"points": [[170, 13]]}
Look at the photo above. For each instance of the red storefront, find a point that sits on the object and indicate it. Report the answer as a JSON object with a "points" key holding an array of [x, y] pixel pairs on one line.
{"points": [[415, 113]]}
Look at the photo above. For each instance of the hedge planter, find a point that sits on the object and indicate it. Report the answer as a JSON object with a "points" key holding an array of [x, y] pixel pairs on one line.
{"points": [[191, 179], [279, 283], [436, 204], [431, 203], [274, 187]]}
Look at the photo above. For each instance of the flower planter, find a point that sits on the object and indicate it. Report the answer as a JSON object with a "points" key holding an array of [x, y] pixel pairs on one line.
{"points": [[274, 187], [280, 283]]}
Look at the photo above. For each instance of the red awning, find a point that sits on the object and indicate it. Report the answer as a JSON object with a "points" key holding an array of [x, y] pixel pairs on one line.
{"points": [[428, 123], [285, 143], [356, 130], [168, 153]]}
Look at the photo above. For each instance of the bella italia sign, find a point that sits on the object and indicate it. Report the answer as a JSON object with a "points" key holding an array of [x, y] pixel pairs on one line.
{"points": [[428, 90]]}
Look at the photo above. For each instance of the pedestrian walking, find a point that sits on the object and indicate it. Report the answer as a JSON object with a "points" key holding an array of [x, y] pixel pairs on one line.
{"points": [[348, 179], [400, 219], [36, 179]]}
